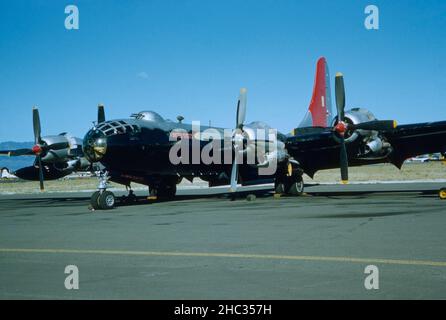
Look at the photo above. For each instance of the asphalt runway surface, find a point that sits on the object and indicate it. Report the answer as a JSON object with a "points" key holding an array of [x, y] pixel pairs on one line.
{"points": [[206, 245]]}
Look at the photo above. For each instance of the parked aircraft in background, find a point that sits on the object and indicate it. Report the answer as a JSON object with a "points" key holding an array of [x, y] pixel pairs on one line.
{"points": [[56, 156], [6, 174]]}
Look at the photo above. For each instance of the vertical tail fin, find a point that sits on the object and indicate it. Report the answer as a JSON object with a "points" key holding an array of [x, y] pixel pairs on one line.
{"points": [[319, 112]]}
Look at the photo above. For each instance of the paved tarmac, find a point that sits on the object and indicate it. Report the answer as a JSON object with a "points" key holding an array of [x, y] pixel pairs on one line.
{"points": [[205, 245]]}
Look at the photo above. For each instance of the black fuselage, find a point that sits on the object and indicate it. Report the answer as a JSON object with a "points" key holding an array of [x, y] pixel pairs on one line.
{"points": [[140, 151]]}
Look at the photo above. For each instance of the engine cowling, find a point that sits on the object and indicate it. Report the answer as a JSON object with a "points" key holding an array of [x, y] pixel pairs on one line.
{"points": [[263, 145], [374, 144]]}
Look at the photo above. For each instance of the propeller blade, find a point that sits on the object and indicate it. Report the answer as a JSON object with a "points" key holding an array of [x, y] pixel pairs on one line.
{"points": [[377, 125], [343, 162], [101, 113], [39, 162], [240, 119], [17, 153], [340, 95], [234, 173], [36, 126], [241, 109]]}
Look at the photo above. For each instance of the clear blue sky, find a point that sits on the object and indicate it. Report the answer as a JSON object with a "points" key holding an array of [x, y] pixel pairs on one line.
{"points": [[190, 57]]}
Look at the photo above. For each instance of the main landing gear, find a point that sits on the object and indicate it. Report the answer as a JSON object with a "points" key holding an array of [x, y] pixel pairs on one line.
{"points": [[103, 199], [164, 191], [130, 198], [289, 181], [442, 193]]}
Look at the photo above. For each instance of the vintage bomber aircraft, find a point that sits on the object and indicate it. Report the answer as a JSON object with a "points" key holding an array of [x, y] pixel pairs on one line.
{"points": [[56, 156], [137, 149]]}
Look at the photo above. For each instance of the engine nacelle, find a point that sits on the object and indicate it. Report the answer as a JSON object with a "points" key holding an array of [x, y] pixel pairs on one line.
{"points": [[373, 144], [50, 172], [276, 156], [267, 148], [357, 116]]}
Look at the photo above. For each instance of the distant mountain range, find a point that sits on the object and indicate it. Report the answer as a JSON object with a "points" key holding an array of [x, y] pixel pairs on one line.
{"points": [[14, 163]]}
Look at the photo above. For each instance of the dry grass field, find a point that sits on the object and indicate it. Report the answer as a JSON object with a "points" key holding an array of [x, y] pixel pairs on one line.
{"points": [[432, 171]]}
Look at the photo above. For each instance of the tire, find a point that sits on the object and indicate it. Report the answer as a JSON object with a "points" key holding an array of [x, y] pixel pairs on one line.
{"points": [[106, 200], [279, 188], [94, 200], [167, 191], [442, 193], [296, 187], [130, 199]]}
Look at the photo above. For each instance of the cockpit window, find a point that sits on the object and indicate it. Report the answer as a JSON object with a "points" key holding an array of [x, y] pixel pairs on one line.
{"points": [[117, 127]]}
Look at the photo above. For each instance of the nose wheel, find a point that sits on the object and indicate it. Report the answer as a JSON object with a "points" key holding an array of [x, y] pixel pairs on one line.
{"points": [[103, 199]]}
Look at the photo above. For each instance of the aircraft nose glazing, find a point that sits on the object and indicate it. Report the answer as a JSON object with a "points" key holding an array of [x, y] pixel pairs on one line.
{"points": [[95, 145]]}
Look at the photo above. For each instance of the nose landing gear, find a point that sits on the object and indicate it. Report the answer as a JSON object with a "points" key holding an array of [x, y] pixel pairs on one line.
{"points": [[103, 199]]}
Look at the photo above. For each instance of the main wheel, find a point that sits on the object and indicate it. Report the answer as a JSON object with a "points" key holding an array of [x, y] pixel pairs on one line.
{"points": [[442, 193], [279, 187], [296, 187], [106, 200], [167, 191], [94, 200], [129, 199]]}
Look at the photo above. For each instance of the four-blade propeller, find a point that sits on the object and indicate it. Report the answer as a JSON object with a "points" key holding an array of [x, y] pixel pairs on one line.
{"points": [[342, 126]]}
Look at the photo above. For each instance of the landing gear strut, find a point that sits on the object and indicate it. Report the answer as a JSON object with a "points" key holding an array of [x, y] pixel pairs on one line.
{"points": [[103, 199]]}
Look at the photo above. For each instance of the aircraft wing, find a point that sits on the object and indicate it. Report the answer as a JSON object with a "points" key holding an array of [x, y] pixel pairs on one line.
{"points": [[416, 139], [17, 152], [317, 149]]}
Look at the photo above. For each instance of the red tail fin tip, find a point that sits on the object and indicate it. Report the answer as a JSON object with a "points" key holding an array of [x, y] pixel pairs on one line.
{"points": [[319, 112]]}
